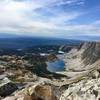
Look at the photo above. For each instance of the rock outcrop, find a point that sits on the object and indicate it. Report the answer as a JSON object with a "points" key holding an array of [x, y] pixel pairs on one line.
{"points": [[6, 86], [91, 53], [35, 92]]}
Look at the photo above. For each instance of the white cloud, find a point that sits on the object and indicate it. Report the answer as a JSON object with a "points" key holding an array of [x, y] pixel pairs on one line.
{"points": [[20, 17], [70, 2]]}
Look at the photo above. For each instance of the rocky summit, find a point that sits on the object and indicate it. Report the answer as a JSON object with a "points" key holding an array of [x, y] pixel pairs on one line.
{"points": [[79, 81]]}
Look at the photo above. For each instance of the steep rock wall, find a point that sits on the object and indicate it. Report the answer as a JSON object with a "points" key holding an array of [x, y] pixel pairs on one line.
{"points": [[91, 52]]}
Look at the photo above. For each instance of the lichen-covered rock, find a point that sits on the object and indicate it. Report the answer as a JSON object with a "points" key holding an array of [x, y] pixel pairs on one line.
{"points": [[7, 89]]}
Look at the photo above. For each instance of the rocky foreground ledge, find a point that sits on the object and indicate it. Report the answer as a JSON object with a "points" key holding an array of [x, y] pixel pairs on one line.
{"points": [[81, 79]]}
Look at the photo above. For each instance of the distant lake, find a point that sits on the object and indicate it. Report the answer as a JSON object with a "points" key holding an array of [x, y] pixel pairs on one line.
{"points": [[57, 65]]}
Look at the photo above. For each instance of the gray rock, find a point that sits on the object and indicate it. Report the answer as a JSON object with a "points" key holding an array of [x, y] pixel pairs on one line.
{"points": [[91, 52], [7, 87]]}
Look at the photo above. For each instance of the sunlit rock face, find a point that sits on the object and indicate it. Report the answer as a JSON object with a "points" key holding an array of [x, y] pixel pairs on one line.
{"points": [[45, 92], [91, 52]]}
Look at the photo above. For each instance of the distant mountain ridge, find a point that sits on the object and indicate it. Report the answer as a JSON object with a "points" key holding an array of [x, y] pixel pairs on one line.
{"points": [[24, 42], [8, 35]]}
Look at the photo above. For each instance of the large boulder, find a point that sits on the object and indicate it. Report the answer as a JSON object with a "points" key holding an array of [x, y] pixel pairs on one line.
{"points": [[6, 86], [7, 89], [45, 92]]}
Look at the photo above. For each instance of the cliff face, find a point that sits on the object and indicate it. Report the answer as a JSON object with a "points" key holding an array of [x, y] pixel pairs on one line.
{"points": [[91, 52], [81, 58]]}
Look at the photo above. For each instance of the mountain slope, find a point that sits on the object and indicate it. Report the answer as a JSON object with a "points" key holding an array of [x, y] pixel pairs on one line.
{"points": [[83, 68], [91, 53]]}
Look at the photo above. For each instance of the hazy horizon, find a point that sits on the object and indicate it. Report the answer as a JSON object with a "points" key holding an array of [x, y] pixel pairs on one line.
{"points": [[81, 38]]}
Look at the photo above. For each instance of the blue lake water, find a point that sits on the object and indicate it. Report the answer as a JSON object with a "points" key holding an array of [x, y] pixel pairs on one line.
{"points": [[57, 65]]}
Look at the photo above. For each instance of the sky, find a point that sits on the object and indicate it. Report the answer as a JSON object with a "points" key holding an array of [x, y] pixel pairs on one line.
{"points": [[50, 18]]}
